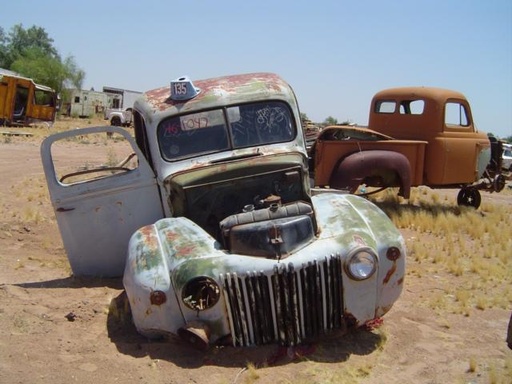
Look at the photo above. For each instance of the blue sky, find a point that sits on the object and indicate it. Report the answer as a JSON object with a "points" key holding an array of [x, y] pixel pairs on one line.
{"points": [[335, 54]]}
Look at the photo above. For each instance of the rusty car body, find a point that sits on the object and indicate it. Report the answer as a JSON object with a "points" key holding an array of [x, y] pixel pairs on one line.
{"points": [[232, 247], [23, 102], [415, 136]]}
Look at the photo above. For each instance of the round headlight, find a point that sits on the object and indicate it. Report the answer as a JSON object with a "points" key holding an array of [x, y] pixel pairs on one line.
{"points": [[362, 264], [201, 293]]}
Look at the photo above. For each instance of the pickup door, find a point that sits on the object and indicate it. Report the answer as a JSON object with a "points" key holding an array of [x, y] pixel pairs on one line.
{"points": [[98, 208]]}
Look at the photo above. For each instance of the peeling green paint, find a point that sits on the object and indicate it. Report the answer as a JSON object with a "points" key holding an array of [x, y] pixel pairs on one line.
{"points": [[193, 268]]}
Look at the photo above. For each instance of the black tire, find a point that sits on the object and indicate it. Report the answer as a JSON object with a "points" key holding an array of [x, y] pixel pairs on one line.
{"points": [[469, 197], [116, 121], [499, 183]]}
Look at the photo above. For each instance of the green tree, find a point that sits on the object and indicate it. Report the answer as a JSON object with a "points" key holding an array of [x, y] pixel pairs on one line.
{"points": [[75, 75], [31, 53], [330, 121], [3, 48], [21, 40]]}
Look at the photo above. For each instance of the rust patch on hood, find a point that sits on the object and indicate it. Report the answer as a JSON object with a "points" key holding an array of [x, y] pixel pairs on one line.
{"points": [[216, 87], [390, 273]]}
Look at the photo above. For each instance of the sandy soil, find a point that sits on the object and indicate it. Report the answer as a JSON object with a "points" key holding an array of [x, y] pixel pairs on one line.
{"points": [[56, 328]]}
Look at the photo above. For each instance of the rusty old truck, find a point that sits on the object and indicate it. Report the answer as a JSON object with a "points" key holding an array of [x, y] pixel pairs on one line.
{"points": [[23, 102], [415, 136], [214, 227]]}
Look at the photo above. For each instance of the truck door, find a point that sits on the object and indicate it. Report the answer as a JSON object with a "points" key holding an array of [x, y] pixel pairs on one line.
{"points": [[99, 204], [20, 104], [462, 145]]}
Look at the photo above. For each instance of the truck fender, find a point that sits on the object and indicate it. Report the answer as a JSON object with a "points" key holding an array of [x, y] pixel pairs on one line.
{"points": [[352, 170]]}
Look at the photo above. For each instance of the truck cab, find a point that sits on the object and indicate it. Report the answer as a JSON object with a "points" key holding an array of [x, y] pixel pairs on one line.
{"points": [[457, 153]]}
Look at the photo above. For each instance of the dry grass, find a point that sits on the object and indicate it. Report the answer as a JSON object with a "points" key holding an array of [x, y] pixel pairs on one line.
{"points": [[358, 368], [38, 132], [473, 246], [33, 196], [466, 251]]}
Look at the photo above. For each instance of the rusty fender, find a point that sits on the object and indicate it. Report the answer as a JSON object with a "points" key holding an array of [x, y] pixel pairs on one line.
{"points": [[353, 169]]}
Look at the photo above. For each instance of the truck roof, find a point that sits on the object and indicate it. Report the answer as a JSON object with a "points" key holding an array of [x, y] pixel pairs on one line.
{"points": [[437, 94], [221, 91], [8, 73]]}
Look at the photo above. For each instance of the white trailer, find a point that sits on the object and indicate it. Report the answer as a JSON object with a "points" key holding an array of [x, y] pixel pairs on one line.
{"points": [[121, 104], [121, 98], [84, 103]]}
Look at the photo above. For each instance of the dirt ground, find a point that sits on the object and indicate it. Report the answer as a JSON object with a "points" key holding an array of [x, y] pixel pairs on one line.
{"points": [[56, 328]]}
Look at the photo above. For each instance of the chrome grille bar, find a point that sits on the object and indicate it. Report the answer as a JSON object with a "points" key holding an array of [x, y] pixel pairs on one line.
{"points": [[288, 306]]}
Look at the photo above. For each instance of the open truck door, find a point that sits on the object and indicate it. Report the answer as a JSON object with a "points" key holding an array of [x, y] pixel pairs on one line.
{"points": [[99, 204]]}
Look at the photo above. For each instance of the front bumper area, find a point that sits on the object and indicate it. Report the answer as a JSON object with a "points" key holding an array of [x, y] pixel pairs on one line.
{"points": [[258, 300]]}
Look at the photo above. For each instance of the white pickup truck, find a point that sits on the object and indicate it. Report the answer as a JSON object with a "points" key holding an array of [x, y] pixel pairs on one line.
{"points": [[119, 117]]}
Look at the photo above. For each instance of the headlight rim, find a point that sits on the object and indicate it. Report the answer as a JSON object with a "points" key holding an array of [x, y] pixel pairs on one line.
{"points": [[350, 261], [200, 279]]}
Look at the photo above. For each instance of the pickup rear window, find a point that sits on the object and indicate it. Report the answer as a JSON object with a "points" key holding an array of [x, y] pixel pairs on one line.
{"points": [[406, 107], [211, 131]]}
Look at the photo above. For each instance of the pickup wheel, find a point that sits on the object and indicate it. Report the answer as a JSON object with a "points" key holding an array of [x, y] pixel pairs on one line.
{"points": [[116, 121], [470, 197]]}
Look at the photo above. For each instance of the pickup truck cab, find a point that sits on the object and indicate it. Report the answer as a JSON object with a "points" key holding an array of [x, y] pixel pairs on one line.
{"points": [[216, 232], [415, 136], [119, 117]]}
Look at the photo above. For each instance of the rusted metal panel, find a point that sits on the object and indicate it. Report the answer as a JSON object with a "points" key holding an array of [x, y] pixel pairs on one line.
{"points": [[384, 168], [337, 143], [222, 91], [414, 126]]}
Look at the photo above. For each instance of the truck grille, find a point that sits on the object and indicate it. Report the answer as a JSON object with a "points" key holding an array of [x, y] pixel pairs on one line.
{"points": [[289, 306]]}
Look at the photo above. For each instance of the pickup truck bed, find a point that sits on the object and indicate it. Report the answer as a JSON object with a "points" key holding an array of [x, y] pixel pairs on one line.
{"points": [[337, 143]]}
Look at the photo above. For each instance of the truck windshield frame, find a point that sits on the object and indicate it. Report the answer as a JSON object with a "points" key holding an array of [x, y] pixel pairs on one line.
{"points": [[237, 126]]}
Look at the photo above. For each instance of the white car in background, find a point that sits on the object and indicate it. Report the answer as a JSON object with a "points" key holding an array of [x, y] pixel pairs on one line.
{"points": [[507, 157]]}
